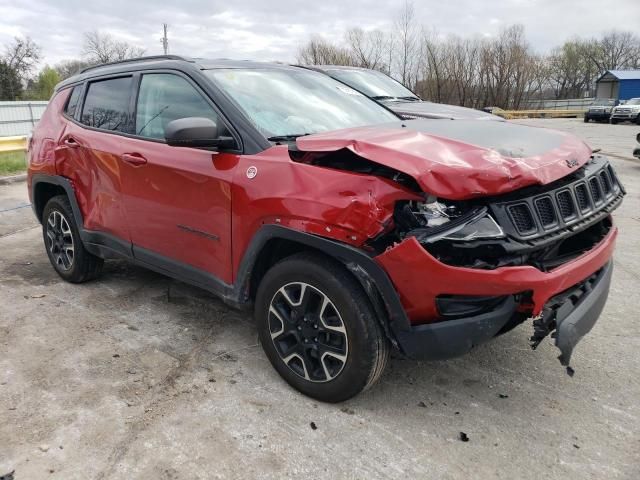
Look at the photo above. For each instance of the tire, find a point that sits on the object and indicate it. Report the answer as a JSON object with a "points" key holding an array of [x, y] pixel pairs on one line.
{"points": [[318, 328], [638, 120], [62, 242], [613, 121], [586, 119]]}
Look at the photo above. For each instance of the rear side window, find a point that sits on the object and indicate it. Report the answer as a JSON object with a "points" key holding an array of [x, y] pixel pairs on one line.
{"points": [[106, 105], [72, 104], [165, 97]]}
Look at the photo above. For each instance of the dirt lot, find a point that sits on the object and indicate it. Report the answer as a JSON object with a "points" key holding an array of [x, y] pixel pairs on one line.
{"points": [[136, 376]]}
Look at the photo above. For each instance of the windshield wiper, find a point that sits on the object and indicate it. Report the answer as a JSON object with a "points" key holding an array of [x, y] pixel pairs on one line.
{"points": [[286, 138], [383, 97], [411, 99]]}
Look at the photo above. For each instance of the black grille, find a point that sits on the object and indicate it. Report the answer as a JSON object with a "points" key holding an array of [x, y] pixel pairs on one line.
{"points": [[565, 203], [582, 196], [546, 212], [522, 218], [589, 193], [606, 182], [596, 190]]}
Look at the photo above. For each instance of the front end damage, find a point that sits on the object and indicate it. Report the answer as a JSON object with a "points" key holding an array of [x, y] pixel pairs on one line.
{"points": [[468, 267]]}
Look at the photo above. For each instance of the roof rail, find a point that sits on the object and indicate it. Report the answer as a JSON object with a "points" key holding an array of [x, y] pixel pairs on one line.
{"points": [[138, 59]]}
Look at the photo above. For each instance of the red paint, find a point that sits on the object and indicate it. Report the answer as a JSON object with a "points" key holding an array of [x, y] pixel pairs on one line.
{"points": [[408, 261], [449, 168], [142, 191]]}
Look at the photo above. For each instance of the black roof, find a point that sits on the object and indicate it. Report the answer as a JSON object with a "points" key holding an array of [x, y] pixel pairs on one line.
{"points": [[164, 61]]}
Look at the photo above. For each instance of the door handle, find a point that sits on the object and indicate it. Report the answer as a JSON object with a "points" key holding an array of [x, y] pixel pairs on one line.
{"points": [[134, 159], [71, 142]]}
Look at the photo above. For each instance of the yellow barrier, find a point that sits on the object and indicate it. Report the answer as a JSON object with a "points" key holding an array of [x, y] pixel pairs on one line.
{"points": [[13, 144], [509, 114]]}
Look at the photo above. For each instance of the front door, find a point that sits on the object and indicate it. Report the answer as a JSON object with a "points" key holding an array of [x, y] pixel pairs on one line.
{"points": [[177, 200]]}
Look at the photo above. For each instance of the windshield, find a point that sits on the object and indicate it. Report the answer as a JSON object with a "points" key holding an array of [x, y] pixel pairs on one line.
{"points": [[373, 84], [633, 101], [294, 102], [608, 102]]}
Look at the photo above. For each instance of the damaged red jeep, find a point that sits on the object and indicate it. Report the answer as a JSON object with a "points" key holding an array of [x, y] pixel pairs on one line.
{"points": [[348, 230]]}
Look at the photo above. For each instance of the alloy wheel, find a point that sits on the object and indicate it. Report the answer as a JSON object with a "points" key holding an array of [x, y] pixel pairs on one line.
{"points": [[60, 240], [308, 332]]}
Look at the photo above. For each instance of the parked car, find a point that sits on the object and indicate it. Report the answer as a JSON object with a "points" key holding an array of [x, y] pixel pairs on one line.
{"points": [[600, 110], [348, 230], [628, 111], [397, 97]]}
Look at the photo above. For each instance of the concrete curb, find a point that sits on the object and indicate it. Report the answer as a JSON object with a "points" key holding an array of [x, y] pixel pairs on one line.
{"points": [[13, 179]]}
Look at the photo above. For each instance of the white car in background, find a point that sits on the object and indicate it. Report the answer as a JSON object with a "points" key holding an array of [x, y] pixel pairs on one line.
{"points": [[629, 111]]}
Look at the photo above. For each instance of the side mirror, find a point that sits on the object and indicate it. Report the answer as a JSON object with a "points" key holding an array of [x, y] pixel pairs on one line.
{"points": [[196, 132]]}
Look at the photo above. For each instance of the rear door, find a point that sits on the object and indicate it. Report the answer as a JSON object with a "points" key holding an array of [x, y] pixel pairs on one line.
{"points": [[89, 152], [177, 200]]}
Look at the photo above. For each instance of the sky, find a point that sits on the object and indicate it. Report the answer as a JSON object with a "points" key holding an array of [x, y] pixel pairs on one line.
{"points": [[274, 29]]}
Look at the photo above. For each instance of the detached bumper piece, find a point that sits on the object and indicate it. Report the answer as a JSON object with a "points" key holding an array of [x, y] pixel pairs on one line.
{"points": [[573, 313]]}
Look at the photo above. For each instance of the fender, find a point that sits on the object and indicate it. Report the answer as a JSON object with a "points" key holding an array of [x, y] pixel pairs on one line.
{"points": [[371, 276]]}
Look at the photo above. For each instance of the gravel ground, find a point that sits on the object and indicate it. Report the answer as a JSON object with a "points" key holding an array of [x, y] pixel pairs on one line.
{"points": [[136, 376]]}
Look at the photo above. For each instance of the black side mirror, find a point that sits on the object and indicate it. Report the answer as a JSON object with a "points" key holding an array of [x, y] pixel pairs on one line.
{"points": [[196, 132]]}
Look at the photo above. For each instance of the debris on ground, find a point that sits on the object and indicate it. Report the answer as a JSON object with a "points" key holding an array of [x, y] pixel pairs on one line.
{"points": [[313, 426], [503, 395], [44, 448], [422, 404], [570, 371], [348, 411], [463, 436]]}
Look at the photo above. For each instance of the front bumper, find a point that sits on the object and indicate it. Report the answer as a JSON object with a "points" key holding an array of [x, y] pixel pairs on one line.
{"points": [[625, 116], [598, 115], [419, 278]]}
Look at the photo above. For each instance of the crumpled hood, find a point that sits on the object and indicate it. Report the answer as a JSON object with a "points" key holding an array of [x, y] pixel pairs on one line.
{"points": [[440, 110], [461, 159]]}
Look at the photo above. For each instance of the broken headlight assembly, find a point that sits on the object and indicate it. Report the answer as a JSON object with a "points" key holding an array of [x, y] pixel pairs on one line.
{"points": [[435, 220]]}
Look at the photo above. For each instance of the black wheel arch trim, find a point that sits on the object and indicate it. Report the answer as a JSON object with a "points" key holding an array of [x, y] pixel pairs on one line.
{"points": [[371, 276]]}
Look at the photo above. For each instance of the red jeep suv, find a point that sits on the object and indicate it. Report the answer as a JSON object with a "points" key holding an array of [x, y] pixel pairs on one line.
{"points": [[348, 230]]}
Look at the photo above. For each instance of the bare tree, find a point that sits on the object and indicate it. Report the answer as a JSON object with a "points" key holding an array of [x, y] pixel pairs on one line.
{"points": [[22, 55], [103, 48], [615, 50], [368, 48], [68, 68], [406, 46], [320, 52]]}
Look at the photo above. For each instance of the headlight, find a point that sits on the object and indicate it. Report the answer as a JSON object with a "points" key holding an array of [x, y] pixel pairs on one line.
{"points": [[439, 221]]}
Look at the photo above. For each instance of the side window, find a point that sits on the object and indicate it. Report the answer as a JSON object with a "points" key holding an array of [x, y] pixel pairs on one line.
{"points": [[106, 105], [165, 97], [72, 103]]}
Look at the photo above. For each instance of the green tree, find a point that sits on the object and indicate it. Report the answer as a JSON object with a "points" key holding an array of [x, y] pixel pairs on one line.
{"points": [[47, 80], [10, 85]]}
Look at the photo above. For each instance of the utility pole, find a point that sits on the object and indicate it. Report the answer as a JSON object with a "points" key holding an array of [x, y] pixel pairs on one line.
{"points": [[164, 40]]}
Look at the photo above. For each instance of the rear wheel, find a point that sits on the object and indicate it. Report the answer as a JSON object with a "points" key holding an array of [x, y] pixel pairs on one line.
{"points": [[64, 247], [586, 119], [318, 329]]}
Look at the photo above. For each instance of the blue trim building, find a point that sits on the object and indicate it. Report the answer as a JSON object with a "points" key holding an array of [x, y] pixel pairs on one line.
{"points": [[618, 84]]}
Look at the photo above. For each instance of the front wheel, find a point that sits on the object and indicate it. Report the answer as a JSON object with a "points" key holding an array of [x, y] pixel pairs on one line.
{"points": [[318, 329], [613, 121], [586, 119]]}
